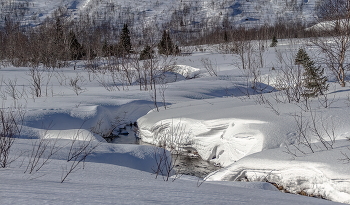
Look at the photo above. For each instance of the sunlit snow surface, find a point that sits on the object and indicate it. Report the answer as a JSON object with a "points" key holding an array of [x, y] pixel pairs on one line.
{"points": [[221, 124]]}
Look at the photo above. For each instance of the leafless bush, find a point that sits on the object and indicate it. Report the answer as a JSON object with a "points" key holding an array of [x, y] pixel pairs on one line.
{"points": [[311, 129], [172, 138], [80, 148], [12, 89], [165, 163], [154, 78], [250, 60], [208, 65], [325, 101], [75, 83], [289, 79], [335, 47], [49, 74], [162, 89], [42, 152], [10, 129], [100, 127], [36, 80]]}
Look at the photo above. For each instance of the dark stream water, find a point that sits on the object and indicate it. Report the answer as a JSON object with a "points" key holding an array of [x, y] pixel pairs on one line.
{"points": [[184, 164]]}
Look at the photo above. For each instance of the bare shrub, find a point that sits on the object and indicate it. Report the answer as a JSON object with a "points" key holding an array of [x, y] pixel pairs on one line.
{"points": [[42, 152], [79, 149], [75, 83], [36, 80], [12, 89], [312, 128], [164, 163], [10, 128], [289, 79], [173, 138], [333, 38], [100, 129], [208, 65]]}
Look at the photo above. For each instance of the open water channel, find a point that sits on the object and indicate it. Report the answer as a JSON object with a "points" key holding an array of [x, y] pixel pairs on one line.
{"points": [[184, 164]]}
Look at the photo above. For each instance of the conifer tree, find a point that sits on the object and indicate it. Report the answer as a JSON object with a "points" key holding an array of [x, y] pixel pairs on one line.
{"points": [[125, 41], [301, 57], [166, 45], [274, 42], [75, 48], [314, 81]]}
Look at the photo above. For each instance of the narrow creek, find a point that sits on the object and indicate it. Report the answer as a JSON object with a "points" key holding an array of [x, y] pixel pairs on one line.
{"points": [[184, 164]]}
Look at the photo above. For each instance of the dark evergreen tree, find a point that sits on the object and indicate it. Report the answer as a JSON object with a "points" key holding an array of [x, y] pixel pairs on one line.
{"points": [[125, 41], [274, 42], [76, 49], [225, 36], [314, 81], [166, 45], [146, 53], [301, 57]]}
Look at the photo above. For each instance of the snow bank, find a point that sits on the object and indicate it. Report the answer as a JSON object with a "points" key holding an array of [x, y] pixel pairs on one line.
{"points": [[139, 157], [222, 141], [102, 183], [221, 130], [74, 134], [316, 174], [187, 71]]}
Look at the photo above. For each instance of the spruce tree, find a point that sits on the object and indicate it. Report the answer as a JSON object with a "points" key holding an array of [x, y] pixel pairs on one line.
{"points": [[166, 45], [274, 42], [301, 57], [76, 49], [314, 81], [125, 41]]}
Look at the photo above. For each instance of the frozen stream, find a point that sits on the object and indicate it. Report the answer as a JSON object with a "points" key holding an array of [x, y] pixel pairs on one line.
{"points": [[188, 165]]}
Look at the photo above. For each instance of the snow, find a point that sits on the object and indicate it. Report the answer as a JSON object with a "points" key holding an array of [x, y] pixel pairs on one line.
{"points": [[152, 12], [110, 184], [321, 173], [218, 117]]}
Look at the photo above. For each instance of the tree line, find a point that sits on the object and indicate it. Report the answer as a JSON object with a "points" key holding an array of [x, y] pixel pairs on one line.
{"points": [[58, 40]]}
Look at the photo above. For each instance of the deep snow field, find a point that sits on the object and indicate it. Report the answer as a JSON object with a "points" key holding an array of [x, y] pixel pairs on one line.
{"points": [[218, 117]]}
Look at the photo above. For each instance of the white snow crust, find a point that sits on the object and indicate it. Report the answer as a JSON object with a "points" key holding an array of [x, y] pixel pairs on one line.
{"points": [[210, 116]]}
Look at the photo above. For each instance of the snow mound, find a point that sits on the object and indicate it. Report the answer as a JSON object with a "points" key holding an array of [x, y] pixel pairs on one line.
{"points": [[222, 140], [312, 174], [187, 71], [74, 134]]}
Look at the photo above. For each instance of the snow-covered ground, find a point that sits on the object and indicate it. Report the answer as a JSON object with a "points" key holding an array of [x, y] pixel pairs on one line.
{"points": [[251, 136], [113, 176]]}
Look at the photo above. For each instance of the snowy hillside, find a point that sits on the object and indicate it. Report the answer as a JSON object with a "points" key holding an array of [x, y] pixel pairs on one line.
{"points": [[190, 13]]}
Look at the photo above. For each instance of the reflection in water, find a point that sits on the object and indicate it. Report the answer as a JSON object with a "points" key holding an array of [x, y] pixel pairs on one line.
{"points": [[194, 166]]}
